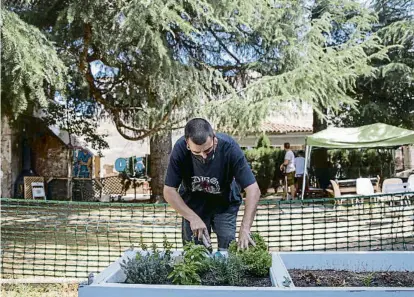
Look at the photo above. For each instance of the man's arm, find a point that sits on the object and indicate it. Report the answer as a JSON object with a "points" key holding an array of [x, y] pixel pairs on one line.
{"points": [[196, 223], [251, 201], [245, 178]]}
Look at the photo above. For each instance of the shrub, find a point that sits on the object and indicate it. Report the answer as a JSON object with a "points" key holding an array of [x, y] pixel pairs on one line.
{"points": [[265, 162], [278, 157], [256, 259], [263, 141], [224, 271], [149, 269], [263, 166]]}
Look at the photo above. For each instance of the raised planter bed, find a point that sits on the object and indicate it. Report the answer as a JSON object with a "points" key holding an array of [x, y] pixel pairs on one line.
{"points": [[285, 269]]}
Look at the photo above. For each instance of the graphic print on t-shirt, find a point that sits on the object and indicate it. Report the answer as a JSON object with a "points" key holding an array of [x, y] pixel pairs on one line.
{"points": [[205, 184]]}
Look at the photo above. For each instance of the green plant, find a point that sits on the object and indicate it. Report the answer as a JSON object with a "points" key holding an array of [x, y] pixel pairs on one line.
{"points": [[224, 271], [263, 166], [167, 247], [278, 157], [195, 253], [235, 271], [214, 272], [143, 246], [147, 269], [150, 266], [194, 262], [185, 273], [263, 141], [368, 279], [154, 248], [256, 259]]}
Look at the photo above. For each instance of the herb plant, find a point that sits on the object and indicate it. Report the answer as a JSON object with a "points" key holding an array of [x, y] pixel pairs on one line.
{"points": [[224, 271], [196, 267], [256, 259], [148, 269], [188, 271], [185, 273]]}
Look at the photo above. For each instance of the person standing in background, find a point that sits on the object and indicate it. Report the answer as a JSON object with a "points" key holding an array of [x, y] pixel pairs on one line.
{"points": [[288, 167], [300, 170]]}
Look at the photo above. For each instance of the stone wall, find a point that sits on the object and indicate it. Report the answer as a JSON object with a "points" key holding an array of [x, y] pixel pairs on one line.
{"points": [[51, 157]]}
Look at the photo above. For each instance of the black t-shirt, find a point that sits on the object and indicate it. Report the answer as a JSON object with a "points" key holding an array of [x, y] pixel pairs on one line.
{"points": [[213, 187]]}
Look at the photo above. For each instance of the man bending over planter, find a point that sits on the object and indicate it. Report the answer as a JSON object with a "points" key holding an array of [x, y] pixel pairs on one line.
{"points": [[209, 170]]}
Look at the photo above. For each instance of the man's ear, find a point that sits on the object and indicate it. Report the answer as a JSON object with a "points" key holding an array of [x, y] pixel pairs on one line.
{"points": [[215, 140]]}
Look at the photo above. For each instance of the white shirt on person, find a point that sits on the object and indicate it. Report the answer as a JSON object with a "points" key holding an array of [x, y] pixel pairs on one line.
{"points": [[291, 161]]}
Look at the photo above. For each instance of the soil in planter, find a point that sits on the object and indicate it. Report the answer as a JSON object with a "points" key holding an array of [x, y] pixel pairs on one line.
{"points": [[257, 282], [335, 278]]}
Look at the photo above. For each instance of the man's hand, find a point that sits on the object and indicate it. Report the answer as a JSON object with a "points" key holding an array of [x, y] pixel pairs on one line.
{"points": [[199, 230], [197, 225], [244, 239], [252, 199]]}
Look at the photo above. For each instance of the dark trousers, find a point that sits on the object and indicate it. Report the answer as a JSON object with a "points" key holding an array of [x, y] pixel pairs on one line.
{"points": [[223, 224]]}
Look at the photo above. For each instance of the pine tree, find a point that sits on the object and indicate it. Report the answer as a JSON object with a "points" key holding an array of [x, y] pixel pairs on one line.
{"points": [[388, 95], [153, 64], [31, 70]]}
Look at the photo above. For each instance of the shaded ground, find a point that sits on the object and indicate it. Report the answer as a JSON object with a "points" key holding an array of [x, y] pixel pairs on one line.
{"points": [[333, 278]]}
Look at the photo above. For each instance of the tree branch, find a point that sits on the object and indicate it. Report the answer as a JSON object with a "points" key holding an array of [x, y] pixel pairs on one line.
{"points": [[87, 35], [224, 46], [86, 70]]}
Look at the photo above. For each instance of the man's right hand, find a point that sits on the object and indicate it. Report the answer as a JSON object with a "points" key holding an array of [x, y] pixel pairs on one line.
{"points": [[199, 229], [197, 225]]}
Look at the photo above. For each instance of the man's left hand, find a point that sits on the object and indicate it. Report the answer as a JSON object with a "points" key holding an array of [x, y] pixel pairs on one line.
{"points": [[245, 240]]}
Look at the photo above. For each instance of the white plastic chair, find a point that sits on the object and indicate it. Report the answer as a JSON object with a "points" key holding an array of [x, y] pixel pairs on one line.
{"points": [[364, 187], [391, 181], [393, 186]]}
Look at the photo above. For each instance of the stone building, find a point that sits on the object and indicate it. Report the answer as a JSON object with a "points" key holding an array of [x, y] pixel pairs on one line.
{"points": [[31, 148]]}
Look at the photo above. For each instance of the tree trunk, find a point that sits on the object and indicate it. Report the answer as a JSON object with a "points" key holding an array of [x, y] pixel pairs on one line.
{"points": [[160, 149], [6, 189]]}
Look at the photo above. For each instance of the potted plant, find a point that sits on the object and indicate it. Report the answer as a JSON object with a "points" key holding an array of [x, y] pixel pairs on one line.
{"points": [[253, 272]]}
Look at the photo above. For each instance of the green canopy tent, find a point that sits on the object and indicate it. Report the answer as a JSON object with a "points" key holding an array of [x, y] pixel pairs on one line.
{"points": [[370, 136]]}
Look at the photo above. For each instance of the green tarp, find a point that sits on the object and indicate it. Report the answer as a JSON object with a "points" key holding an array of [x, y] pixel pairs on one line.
{"points": [[376, 135]]}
